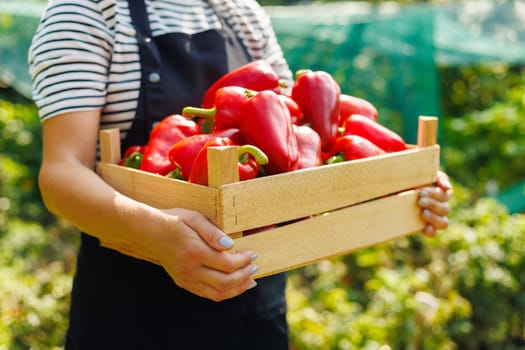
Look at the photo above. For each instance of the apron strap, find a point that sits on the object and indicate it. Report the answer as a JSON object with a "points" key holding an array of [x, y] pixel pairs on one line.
{"points": [[213, 53]]}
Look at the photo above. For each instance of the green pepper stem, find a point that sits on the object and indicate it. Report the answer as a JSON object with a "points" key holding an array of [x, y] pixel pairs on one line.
{"points": [[283, 84], [134, 160], [259, 156], [249, 93], [190, 112], [336, 158], [175, 174], [301, 72]]}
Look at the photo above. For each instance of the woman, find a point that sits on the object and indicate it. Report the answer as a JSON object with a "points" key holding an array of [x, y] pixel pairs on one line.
{"points": [[128, 64]]}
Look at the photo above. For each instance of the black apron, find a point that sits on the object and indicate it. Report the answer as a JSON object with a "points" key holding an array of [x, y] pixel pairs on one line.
{"points": [[120, 302]]}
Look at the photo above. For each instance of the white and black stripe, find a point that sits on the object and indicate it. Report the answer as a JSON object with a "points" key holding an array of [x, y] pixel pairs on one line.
{"points": [[85, 54]]}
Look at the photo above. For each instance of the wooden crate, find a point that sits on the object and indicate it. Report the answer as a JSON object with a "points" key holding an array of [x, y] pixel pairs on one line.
{"points": [[348, 206]]}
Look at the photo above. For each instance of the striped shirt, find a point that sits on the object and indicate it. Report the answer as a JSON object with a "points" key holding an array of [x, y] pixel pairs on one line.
{"points": [[85, 56]]}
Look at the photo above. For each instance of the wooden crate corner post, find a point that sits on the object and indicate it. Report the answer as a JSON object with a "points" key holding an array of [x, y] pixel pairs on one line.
{"points": [[223, 169], [427, 131], [110, 146]]}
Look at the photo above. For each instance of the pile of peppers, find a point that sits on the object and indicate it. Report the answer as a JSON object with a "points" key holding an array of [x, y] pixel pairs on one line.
{"points": [[313, 125]]}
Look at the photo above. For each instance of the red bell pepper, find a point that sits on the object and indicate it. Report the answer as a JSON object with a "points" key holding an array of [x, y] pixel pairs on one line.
{"points": [[349, 105], [295, 112], [309, 144], [265, 122], [317, 94], [249, 165], [257, 75], [132, 156], [377, 133], [199, 170], [350, 147], [226, 108], [183, 153], [165, 134]]}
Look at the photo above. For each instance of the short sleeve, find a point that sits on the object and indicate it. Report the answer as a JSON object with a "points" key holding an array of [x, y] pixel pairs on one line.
{"points": [[69, 57]]}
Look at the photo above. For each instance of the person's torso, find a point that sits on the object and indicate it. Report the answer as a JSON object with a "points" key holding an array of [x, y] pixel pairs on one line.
{"points": [[105, 52]]}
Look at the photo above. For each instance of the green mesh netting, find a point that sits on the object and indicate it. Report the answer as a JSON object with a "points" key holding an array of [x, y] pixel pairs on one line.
{"points": [[389, 54]]}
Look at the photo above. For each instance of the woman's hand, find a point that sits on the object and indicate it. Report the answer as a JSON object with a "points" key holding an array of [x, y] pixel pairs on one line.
{"points": [[433, 201], [193, 252]]}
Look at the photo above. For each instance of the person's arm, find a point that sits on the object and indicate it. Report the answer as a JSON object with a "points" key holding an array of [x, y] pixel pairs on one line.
{"points": [[185, 242]]}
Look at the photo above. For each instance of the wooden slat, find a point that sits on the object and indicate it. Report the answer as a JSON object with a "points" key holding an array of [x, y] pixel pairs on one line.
{"points": [[337, 233], [159, 191], [288, 196]]}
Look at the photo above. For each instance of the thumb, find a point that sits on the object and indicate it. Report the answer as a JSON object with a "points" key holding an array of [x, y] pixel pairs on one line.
{"points": [[211, 234]]}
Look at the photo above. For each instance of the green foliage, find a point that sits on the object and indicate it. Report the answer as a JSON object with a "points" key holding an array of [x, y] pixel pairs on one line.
{"points": [[485, 147], [35, 275], [460, 290], [19, 161], [37, 253]]}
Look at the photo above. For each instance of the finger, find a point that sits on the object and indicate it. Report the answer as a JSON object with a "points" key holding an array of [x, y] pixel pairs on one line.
{"points": [[429, 231], [438, 222], [209, 233], [206, 291], [229, 262], [444, 183], [219, 286], [434, 192], [222, 281], [437, 207]]}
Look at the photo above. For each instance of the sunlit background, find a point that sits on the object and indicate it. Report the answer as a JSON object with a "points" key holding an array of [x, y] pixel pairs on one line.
{"points": [[462, 61]]}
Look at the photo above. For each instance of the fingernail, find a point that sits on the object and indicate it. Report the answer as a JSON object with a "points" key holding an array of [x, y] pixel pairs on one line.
{"points": [[254, 269], [226, 242], [426, 213], [255, 256], [252, 285], [447, 184], [423, 193], [429, 230], [423, 202]]}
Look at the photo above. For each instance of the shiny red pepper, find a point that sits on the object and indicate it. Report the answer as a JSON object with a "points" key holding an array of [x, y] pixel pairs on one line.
{"points": [[257, 75], [249, 167], [349, 105], [165, 134], [317, 94], [199, 170], [309, 144], [377, 133], [295, 112], [183, 153], [265, 122], [226, 108], [350, 147]]}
